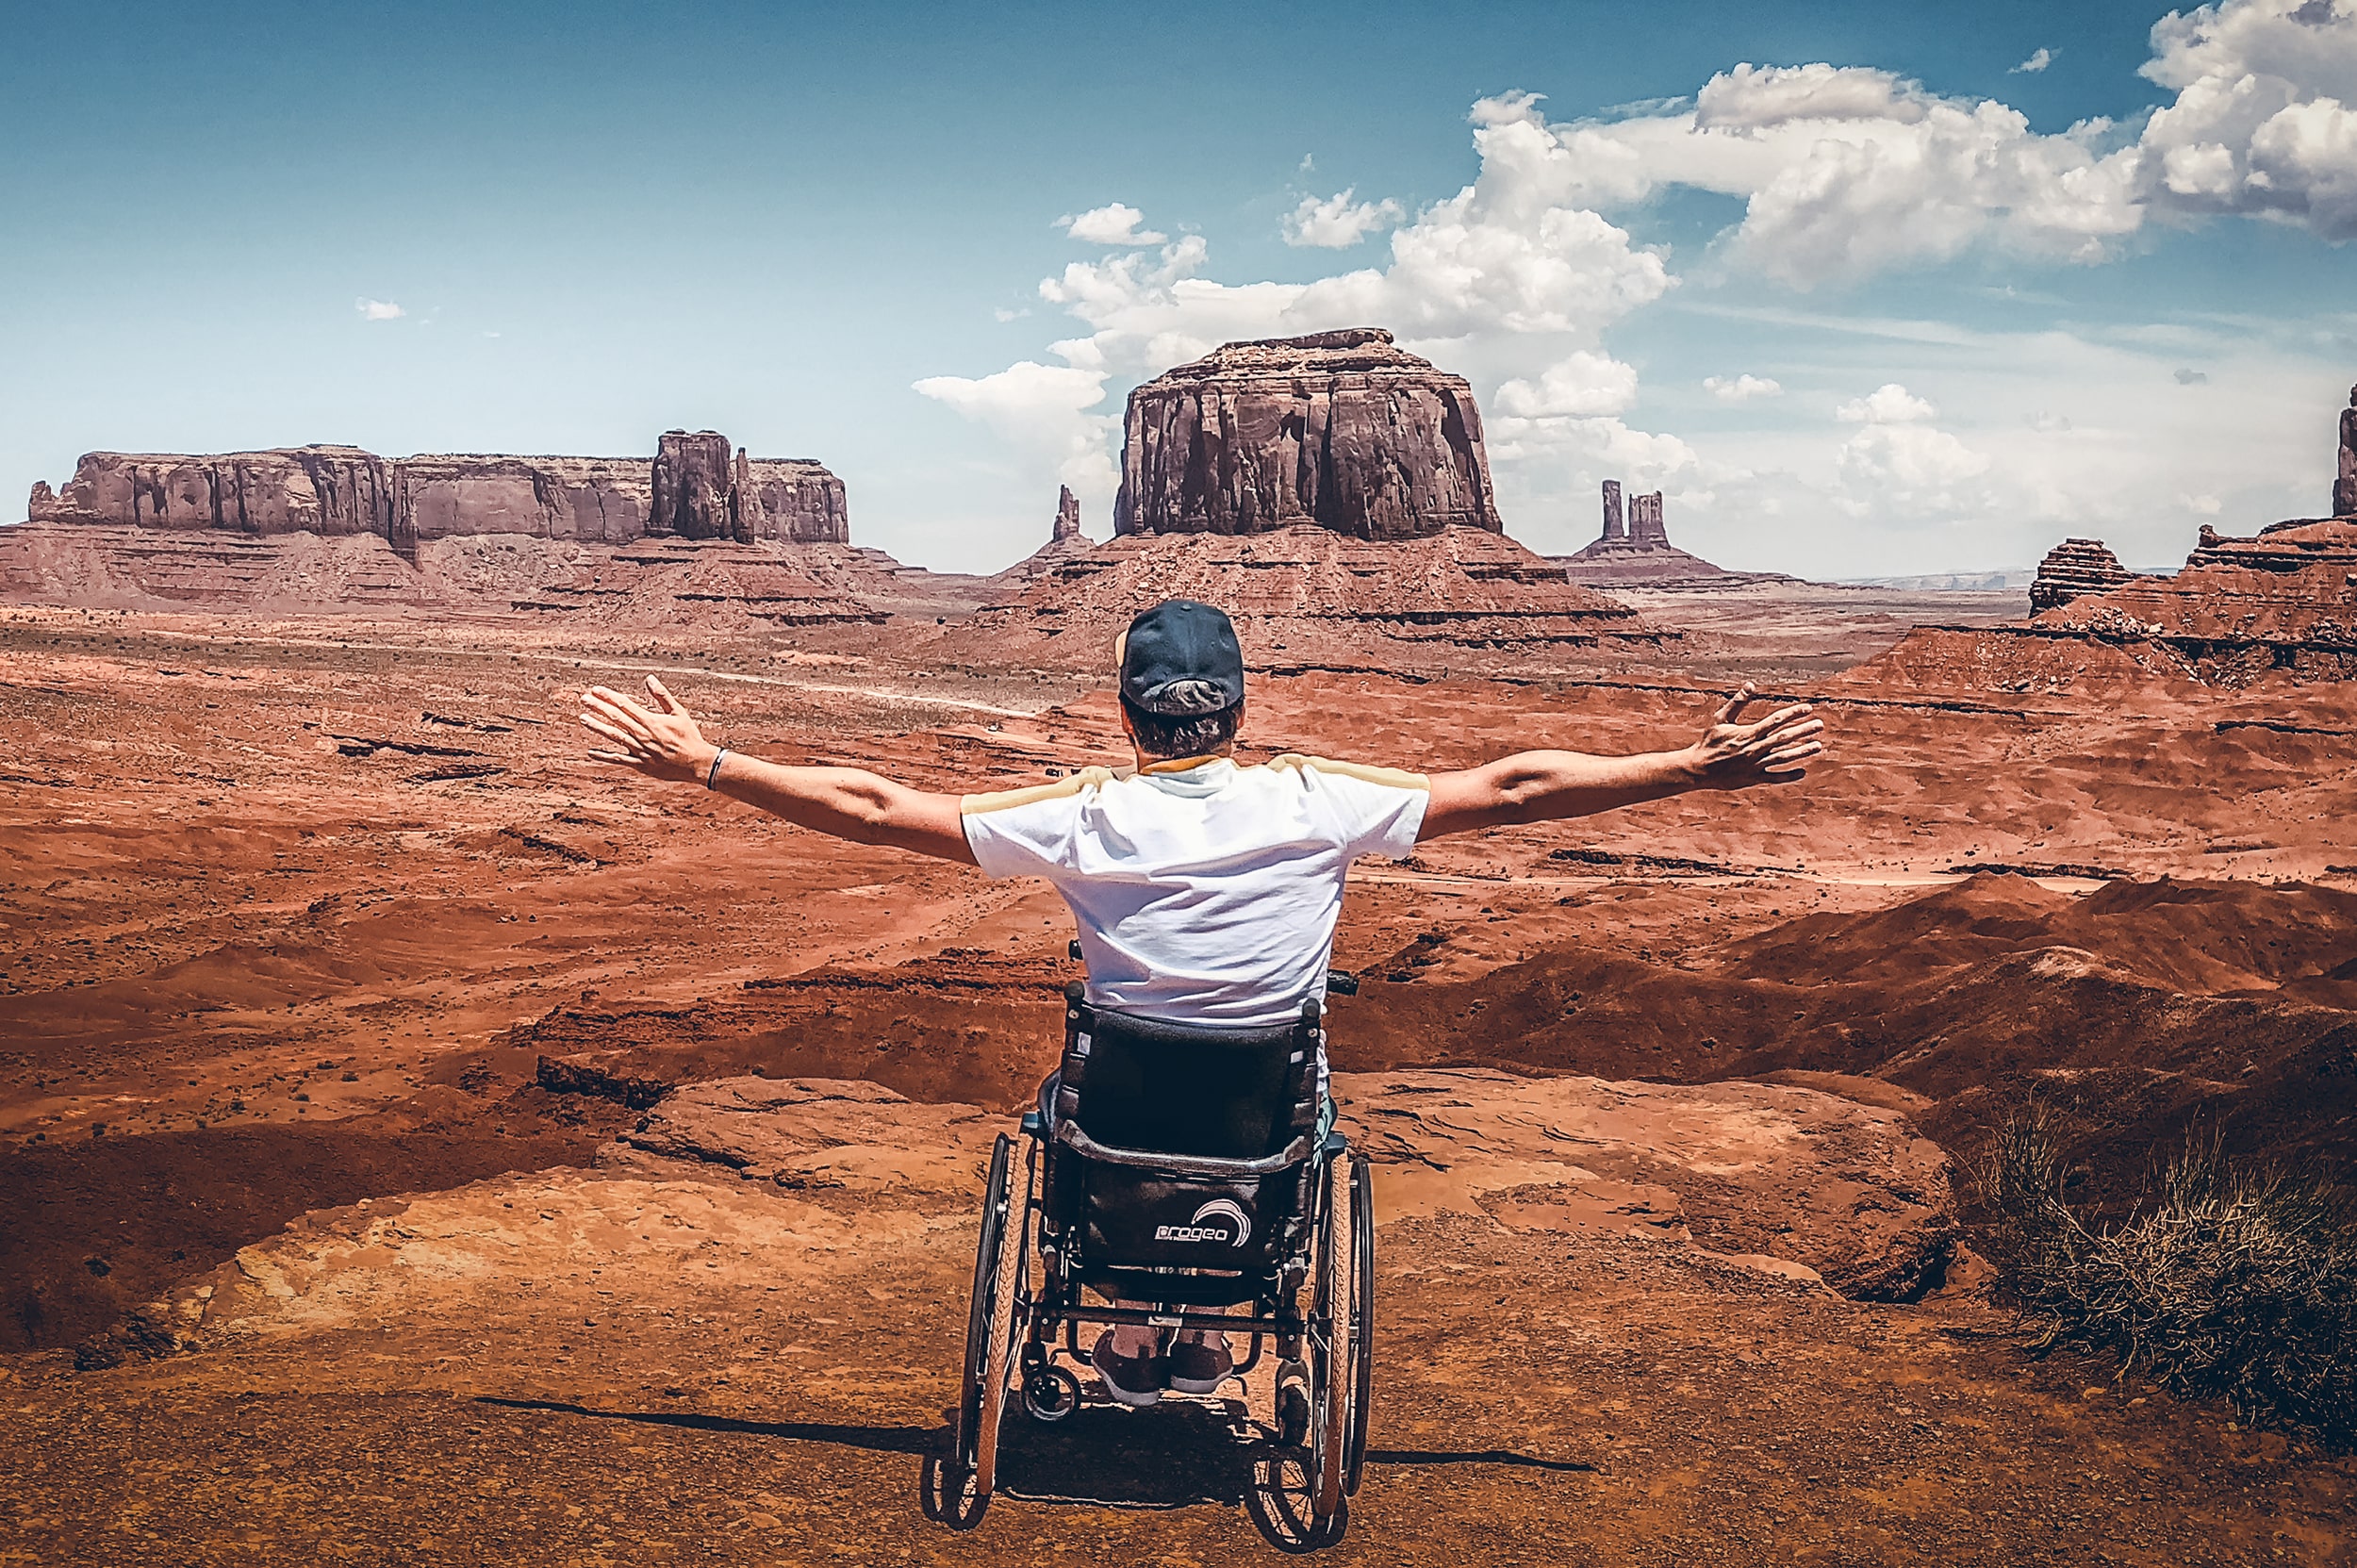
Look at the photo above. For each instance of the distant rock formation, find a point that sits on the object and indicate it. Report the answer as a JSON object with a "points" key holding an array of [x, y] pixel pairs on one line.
{"points": [[1065, 542], [691, 489], [1339, 429], [2344, 486], [2074, 568], [2279, 604], [1636, 552], [1645, 528], [700, 536]]}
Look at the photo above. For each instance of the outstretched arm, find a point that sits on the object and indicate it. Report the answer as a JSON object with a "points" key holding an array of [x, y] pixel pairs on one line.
{"points": [[663, 742], [1543, 786]]}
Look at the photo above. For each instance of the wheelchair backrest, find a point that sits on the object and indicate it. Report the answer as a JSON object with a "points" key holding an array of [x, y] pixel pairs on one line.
{"points": [[1194, 1147], [1224, 1094]]}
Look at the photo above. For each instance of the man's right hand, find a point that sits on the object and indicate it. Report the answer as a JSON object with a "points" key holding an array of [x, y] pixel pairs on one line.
{"points": [[1734, 755], [662, 742]]}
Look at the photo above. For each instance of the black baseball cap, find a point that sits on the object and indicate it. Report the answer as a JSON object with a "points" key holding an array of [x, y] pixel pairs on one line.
{"points": [[1180, 639]]}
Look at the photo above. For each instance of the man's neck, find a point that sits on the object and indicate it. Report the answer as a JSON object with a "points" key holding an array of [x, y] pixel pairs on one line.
{"points": [[1179, 765]]}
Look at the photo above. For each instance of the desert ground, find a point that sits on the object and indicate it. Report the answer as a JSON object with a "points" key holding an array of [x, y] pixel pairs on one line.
{"points": [[424, 1146]]}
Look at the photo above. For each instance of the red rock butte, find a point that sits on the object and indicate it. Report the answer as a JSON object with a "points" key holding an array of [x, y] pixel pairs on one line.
{"points": [[1332, 493], [1339, 429]]}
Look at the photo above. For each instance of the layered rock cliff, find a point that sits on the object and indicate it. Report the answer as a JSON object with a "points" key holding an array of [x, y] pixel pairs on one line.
{"points": [[1339, 429], [695, 488], [2280, 605], [2074, 568]]}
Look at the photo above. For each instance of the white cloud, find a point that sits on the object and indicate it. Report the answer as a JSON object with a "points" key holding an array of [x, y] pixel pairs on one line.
{"points": [[2201, 506], [1890, 403], [2035, 64], [1901, 466], [2190, 378], [2262, 125], [1604, 447], [1849, 171], [1581, 385], [1337, 223], [1113, 224], [1742, 388], [1753, 98], [1043, 410], [378, 311], [1500, 257]]}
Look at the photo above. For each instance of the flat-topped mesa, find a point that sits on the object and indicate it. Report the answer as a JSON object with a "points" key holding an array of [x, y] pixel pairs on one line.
{"points": [[1337, 429], [2073, 569], [691, 489]]}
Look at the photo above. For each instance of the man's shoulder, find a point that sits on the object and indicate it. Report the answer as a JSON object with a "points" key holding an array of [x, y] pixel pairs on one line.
{"points": [[1064, 789], [1305, 766]]}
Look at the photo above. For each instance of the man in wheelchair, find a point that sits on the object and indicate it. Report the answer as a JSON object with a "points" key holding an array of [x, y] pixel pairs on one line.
{"points": [[1192, 1088]]}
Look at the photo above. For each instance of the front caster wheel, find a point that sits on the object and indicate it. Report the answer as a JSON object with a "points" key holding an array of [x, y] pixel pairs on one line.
{"points": [[1050, 1393]]}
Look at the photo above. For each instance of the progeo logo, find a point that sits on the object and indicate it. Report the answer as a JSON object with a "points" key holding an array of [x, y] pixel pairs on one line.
{"points": [[1239, 1232]]}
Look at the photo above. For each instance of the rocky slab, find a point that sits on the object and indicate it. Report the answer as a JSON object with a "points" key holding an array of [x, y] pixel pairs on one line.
{"points": [[742, 1181]]}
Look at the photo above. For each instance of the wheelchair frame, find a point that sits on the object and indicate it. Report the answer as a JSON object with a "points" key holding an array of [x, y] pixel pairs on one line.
{"points": [[1027, 1306]]}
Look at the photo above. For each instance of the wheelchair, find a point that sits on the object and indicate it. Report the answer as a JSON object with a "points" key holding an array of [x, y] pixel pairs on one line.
{"points": [[1181, 1167]]}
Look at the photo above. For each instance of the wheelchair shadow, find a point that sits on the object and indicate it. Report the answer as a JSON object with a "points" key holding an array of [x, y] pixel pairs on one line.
{"points": [[1178, 1453], [918, 1440]]}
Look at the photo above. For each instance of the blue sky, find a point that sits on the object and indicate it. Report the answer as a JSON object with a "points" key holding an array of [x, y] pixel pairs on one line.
{"points": [[1968, 329]]}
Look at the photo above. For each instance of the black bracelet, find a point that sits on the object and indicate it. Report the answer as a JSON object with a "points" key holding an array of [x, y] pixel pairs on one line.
{"points": [[713, 778]]}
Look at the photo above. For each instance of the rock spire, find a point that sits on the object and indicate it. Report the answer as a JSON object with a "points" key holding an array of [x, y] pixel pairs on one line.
{"points": [[1635, 551], [2344, 485]]}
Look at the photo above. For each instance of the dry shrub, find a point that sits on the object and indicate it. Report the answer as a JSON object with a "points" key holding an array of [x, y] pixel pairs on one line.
{"points": [[2240, 1283]]}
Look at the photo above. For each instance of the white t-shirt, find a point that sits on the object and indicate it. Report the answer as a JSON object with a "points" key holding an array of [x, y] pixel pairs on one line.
{"points": [[1205, 894]]}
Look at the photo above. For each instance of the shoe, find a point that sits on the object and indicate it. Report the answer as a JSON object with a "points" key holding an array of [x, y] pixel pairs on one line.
{"points": [[1132, 1380], [1199, 1366]]}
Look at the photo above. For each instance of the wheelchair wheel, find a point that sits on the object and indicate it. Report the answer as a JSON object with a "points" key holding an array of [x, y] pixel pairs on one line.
{"points": [[958, 1489], [1333, 1383], [1362, 1335]]}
